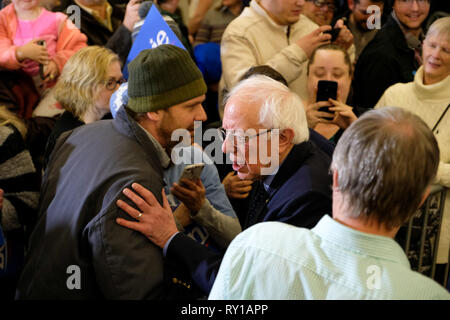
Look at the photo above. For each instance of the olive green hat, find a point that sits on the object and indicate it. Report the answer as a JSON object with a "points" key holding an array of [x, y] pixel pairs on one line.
{"points": [[163, 77]]}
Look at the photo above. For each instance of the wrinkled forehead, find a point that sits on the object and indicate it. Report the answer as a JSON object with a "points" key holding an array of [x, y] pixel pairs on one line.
{"points": [[241, 113], [438, 36]]}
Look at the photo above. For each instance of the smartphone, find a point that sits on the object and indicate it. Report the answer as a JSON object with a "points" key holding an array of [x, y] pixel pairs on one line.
{"points": [[193, 171], [326, 90], [41, 66], [334, 33]]}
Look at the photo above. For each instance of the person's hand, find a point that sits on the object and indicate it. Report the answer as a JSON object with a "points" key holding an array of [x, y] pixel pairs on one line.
{"points": [[314, 116], [33, 51], [315, 39], [1, 199], [131, 14], [51, 71], [235, 187], [155, 222], [191, 193], [343, 114], [345, 37]]}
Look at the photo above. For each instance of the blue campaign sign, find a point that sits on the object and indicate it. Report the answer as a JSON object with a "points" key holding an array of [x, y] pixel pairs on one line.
{"points": [[154, 32]]}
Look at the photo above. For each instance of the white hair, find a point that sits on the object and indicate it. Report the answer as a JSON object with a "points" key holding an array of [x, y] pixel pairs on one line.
{"points": [[440, 28], [280, 107]]}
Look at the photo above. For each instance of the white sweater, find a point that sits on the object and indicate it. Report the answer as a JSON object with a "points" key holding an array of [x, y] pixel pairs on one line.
{"points": [[429, 102]]}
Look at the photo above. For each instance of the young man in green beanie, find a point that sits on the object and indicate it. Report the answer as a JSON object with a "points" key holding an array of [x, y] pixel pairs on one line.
{"points": [[77, 250]]}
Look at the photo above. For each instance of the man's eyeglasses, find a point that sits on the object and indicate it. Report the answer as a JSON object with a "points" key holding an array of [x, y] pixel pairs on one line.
{"points": [[112, 83], [410, 2], [323, 3], [238, 139]]}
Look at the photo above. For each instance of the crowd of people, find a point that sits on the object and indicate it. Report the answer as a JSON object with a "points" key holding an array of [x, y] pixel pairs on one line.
{"points": [[320, 126]]}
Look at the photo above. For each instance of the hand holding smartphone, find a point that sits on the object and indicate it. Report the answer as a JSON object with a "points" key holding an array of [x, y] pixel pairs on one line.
{"points": [[192, 172], [326, 90]]}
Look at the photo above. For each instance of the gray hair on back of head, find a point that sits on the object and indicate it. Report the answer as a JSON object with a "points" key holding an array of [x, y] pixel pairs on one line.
{"points": [[385, 161], [280, 107]]}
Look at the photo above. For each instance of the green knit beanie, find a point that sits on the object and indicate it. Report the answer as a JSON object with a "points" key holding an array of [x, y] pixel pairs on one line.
{"points": [[163, 77]]}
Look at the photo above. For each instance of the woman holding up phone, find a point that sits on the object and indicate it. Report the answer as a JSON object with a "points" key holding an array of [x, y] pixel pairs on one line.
{"points": [[331, 63]]}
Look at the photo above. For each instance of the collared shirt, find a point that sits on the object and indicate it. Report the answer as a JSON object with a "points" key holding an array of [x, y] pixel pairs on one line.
{"points": [[267, 180], [273, 260], [107, 21], [160, 152]]}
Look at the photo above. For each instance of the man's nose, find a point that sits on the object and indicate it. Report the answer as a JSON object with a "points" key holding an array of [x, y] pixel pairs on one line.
{"points": [[200, 113], [227, 145]]}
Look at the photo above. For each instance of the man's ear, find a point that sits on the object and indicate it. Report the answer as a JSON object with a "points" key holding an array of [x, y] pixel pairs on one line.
{"points": [[335, 179], [285, 138], [155, 115]]}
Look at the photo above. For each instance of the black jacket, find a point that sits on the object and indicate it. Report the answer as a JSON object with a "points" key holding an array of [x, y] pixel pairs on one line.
{"points": [[386, 60]]}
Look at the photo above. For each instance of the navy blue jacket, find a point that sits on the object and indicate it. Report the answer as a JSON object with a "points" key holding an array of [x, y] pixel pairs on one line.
{"points": [[299, 194]]}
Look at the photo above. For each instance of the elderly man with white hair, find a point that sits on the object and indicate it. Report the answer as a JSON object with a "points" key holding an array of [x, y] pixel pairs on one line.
{"points": [[266, 134]]}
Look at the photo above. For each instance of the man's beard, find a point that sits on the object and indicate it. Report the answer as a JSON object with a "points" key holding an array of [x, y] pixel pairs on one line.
{"points": [[165, 132]]}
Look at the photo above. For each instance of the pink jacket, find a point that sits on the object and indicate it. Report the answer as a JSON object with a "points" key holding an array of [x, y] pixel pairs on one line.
{"points": [[70, 39]]}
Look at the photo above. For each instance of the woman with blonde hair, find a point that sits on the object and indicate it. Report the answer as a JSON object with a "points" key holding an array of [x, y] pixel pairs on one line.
{"points": [[84, 88], [428, 96]]}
